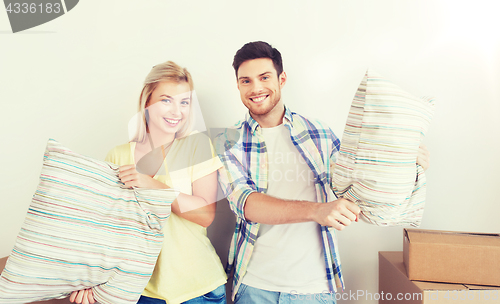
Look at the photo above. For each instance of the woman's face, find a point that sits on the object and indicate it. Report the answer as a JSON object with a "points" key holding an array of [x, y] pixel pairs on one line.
{"points": [[169, 107]]}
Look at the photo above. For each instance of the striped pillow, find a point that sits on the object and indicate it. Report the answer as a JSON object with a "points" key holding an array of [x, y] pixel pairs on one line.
{"points": [[82, 230], [376, 166]]}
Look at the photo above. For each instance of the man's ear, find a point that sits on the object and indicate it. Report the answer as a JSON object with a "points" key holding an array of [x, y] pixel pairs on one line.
{"points": [[282, 79], [237, 80]]}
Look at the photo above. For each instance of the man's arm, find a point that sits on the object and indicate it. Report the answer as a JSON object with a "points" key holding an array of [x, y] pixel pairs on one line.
{"points": [[234, 179], [252, 206], [265, 209]]}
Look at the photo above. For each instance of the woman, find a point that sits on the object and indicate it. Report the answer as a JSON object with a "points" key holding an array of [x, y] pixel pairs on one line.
{"points": [[165, 154]]}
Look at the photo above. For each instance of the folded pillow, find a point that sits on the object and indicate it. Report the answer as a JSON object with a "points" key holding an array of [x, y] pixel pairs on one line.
{"points": [[84, 229], [376, 165]]}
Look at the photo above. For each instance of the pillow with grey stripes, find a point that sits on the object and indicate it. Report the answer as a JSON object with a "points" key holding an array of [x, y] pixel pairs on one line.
{"points": [[84, 229], [376, 164]]}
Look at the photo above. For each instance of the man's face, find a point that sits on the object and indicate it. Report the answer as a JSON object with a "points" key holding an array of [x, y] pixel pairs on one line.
{"points": [[259, 85]]}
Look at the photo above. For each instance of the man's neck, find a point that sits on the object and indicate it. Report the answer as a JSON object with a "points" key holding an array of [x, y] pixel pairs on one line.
{"points": [[271, 119]]}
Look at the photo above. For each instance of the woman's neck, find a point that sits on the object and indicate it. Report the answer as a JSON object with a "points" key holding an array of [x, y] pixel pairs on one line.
{"points": [[157, 139]]}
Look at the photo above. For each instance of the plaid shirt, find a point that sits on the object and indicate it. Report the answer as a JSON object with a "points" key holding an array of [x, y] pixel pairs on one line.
{"points": [[243, 152]]}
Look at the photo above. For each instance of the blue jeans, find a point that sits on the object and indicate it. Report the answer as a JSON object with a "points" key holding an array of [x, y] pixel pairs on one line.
{"points": [[250, 295], [216, 296]]}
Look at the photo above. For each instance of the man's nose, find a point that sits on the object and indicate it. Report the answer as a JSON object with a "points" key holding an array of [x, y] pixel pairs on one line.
{"points": [[257, 87]]}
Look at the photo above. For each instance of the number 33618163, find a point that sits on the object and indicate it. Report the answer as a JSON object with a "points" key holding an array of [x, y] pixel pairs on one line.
{"points": [[32, 8]]}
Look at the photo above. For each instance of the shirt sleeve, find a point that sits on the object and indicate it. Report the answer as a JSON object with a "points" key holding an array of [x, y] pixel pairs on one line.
{"points": [[205, 160], [120, 155], [334, 153], [112, 156], [234, 179]]}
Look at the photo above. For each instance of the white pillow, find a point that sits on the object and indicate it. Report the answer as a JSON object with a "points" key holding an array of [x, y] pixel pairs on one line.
{"points": [[84, 229], [376, 166]]}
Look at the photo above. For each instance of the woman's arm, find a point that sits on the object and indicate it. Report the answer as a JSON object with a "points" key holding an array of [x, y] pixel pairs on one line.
{"points": [[200, 207]]}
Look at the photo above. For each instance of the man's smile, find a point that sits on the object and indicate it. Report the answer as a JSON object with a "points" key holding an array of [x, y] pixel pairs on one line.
{"points": [[259, 98]]}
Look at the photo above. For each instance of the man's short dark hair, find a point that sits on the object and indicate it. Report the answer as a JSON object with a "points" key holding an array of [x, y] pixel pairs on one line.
{"points": [[255, 50]]}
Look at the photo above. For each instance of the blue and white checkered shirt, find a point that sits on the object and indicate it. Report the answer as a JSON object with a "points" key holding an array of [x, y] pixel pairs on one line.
{"points": [[243, 152]]}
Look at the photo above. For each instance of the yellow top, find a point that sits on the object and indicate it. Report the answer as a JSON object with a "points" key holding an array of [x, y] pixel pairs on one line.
{"points": [[188, 265]]}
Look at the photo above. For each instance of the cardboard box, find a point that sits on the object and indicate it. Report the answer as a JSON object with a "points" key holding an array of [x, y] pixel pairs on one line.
{"points": [[395, 287], [453, 257]]}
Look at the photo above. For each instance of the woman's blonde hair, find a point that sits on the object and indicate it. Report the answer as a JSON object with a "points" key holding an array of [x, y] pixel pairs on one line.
{"points": [[166, 71]]}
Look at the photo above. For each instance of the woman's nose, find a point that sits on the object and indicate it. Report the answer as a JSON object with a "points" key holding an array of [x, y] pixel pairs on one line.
{"points": [[175, 108]]}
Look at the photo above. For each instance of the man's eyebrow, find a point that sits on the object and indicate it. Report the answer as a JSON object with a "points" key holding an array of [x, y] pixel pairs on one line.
{"points": [[260, 75]]}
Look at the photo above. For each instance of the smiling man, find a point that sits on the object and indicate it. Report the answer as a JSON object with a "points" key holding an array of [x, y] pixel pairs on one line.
{"points": [[276, 177], [260, 90]]}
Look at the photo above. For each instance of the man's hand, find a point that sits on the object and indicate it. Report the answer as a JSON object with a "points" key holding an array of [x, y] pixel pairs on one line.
{"points": [[131, 178], [337, 214], [84, 296], [423, 157]]}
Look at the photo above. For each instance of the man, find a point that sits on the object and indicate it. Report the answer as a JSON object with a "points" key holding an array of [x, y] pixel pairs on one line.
{"points": [[276, 171]]}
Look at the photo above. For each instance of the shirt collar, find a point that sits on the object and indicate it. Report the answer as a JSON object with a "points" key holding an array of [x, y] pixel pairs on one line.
{"points": [[253, 124]]}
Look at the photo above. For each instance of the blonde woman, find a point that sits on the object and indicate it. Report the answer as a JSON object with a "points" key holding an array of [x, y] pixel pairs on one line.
{"points": [[164, 153]]}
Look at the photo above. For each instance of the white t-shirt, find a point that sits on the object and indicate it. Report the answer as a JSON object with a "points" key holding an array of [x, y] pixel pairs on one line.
{"points": [[289, 257]]}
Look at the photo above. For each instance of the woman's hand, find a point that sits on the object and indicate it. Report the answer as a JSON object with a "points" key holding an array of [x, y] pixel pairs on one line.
{"points": [[131, 178], [423, 157], [84, 296]]}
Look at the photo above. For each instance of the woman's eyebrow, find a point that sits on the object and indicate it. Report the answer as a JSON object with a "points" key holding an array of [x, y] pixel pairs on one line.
{"points": [[165, 95]]}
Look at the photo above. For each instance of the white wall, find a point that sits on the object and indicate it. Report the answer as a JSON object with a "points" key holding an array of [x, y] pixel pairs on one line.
{"points": [[76, 79]]}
